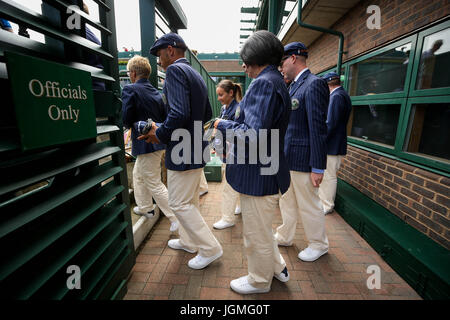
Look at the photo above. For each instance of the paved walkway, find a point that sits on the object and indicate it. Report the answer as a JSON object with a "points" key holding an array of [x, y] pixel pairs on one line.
{"points": [[162, 273]]}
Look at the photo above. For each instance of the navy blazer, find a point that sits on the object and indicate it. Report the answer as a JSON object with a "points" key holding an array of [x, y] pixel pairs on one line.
{"points": [[266, 105], [338, 114], [186, 98], [141, 101], [305, 146], [230, 111]]}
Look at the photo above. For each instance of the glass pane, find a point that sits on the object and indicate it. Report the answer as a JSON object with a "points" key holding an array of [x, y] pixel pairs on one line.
{"points": [[376, 123], [429, 132], [382, 73], [435, 61]]}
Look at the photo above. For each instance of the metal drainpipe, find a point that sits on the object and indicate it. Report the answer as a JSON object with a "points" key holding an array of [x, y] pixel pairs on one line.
{"points": [[330, 31]]}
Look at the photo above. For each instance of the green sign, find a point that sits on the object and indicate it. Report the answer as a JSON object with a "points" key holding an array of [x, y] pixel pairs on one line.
{"points": [[53, 103]]}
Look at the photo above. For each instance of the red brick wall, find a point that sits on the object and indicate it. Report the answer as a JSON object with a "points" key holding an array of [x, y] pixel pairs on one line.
{"points": [[398, 17], [419, 197]]}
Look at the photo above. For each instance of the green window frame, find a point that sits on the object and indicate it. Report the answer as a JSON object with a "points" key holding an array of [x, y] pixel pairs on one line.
{"points": [[378, 146], [406, 98], [389, 95], [413, 92], [403, 133]]}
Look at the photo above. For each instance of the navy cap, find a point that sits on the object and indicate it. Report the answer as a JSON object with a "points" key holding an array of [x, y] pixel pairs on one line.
{"points": [[170, 39], [331, 76], [296, 48]]}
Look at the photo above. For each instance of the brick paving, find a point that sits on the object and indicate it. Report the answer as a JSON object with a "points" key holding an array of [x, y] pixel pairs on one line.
{"points": [[162, 273]]}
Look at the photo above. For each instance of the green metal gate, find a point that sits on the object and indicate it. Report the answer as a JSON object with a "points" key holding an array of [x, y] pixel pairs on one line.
{"points": [[67, 205]]}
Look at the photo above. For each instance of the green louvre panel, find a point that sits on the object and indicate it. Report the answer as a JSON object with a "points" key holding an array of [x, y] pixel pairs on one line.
{"points": [[213, 169], [53, 103]]}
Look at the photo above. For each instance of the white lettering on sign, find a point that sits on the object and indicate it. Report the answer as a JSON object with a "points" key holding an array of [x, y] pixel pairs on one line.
{"points": [[52, 90], [32, 88], [55, 113]]}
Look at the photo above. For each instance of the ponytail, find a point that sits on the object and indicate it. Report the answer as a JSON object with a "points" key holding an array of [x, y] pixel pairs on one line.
{"points": [[237, 92], [228, 85]]}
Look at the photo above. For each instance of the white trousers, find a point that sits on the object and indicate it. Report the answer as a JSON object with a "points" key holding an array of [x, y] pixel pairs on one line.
{"points": [[263, 257], [184, 201], [230, 198], [327, 189], [147, 184], [302, 199], [203, 183]]}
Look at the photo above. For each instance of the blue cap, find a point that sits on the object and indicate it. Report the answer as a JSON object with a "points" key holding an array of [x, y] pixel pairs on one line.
{"points": [[169, 39], [296, 48], [331, 76]]}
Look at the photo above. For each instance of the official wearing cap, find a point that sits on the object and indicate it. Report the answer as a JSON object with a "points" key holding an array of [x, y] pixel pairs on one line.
{"points": [[264, 108], [306, 152], [188, 107], [339, 111]]}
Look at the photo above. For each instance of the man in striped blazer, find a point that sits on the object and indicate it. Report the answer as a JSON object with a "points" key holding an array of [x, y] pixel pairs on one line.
{"points": [[306, 152], [186, 99], [338, 114]]}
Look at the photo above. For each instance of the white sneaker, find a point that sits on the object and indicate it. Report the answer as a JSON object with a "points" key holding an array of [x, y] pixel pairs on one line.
{"points": [[199, 262], [174, 226], [283, 276], [203, 193], [329, 211], [221, 224], [175, 244], [238, 210], [310, 254], [149, 214], [242, 286]]}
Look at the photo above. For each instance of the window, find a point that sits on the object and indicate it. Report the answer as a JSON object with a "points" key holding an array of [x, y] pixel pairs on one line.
{"points": [[428, 130], [382, 73], [434, 61], [375, 123]]}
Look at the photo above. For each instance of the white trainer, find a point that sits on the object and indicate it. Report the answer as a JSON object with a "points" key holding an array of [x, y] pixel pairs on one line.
{"points": [[242, 286], [175, 244], [149, 214], [199, 262], [283, 276], [174, 226], [203, 193], [238, 210], [221, 224], [310, 254], [328, 211]]}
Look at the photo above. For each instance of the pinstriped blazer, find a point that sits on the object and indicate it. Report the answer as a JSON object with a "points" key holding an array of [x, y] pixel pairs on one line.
{"points": [[186, 101], [230, 111], [338, 113], [305, 142], [266, 105]]}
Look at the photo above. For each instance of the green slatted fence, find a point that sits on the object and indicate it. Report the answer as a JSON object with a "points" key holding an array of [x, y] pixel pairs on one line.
{"points": [[67, 204]]}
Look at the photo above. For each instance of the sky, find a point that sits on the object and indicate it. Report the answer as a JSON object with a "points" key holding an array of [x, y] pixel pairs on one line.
{"points": [[213, 25]]}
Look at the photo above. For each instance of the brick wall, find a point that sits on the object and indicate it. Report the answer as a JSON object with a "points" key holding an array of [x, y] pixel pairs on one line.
{"points": [[398, 17], [420, 198]]}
